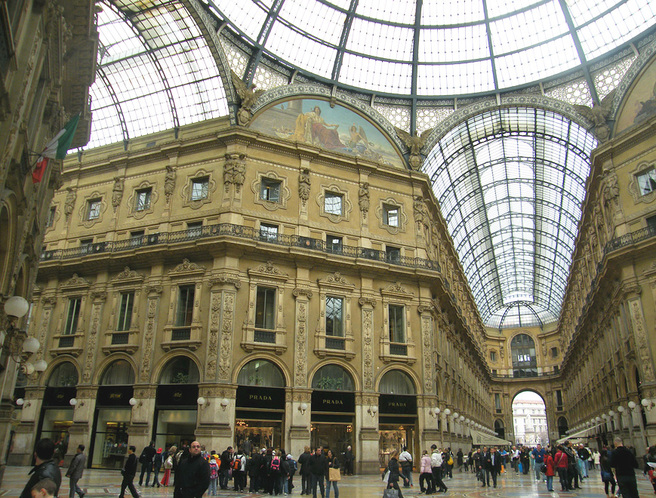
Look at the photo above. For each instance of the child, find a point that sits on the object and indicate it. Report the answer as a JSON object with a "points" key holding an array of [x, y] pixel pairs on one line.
{"points": [[45, 488]]}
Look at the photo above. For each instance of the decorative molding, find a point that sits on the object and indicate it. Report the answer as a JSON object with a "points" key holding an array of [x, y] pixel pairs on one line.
{"points": [[285, 193], [335, 280], [268, 271], [396, 290], [634, 189], [225, 279], [234, 171], [302, 291], [227, 332], [186, 268], [347, 207], [127, 276], [367, 301], [403, 218], [154, 197], [301, 338], [75, 282]]}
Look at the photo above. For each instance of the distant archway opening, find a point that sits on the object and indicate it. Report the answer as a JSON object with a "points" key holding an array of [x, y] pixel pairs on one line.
{"points": [[530, 419]]}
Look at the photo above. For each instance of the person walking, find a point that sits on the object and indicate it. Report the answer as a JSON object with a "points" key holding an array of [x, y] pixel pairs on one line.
{"points": [[128, 472], [436, 468], [332, 479], [425, 474], [146, 461], [405, 460], [45, 467], [306, 475], [493, 468], [606, 474], [561, 462], [75, 470], [550, 470], [192, 477], [214, 473], [169, 462], [158, 460], [394, 472], [318, 469], [624, 462], [538, 460]]}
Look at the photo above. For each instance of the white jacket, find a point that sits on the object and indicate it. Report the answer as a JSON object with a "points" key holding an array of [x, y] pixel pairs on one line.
{"points": [[436, 459]]}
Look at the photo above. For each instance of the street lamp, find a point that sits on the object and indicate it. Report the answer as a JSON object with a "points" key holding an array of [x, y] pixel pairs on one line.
{"points": [[16, 342]]}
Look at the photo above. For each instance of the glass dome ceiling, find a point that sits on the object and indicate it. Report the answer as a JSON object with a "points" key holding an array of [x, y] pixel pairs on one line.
{"points": [[436, 47], [510, 183]]}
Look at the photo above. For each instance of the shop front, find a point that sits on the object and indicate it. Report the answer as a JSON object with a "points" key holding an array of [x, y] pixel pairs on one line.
{"points": [[333, 420], [176, 411], [259, 417], [56, 416], [109, 436]]}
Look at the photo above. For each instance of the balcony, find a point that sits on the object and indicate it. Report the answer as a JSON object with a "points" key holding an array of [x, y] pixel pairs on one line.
{"points": [[397, 351], [67, 344], [334, 346], [123, 341], [271, 340], [187, 337], [212, 232]]}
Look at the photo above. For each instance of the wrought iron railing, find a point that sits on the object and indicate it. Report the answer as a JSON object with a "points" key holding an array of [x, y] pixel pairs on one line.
{"points": [[120, 338], [231, 230], [630, 238], [181, 334], [264, 336], [335, 343], [66, 342], [399, 349]]}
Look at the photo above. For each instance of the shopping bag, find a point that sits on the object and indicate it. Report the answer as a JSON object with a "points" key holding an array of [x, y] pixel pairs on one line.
{"points": [[521, 471], [386, 477], [391, 493], [334, 475]]}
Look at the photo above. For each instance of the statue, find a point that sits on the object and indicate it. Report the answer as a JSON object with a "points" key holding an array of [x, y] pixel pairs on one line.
{"points": [[598, 114], [69, 203], [415, 144], [234, 171], [304, 185], [169, 182], [117, 192], [363, 198], [248, 96]]}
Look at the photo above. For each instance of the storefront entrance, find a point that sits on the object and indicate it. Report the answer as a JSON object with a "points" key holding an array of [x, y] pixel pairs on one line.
{"points": [[397, 422], [57, 416], [175, 415], [259, 418], [333, 420]]}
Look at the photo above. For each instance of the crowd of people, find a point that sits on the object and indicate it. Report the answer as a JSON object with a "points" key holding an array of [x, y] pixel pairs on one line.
{"points": [[272, 471]]}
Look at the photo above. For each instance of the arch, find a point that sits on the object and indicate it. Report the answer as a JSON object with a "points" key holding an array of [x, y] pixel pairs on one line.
{"points": [[180, 369], [500, 428], [262, 373], [563, 426], [158, 371], [118, 373], [7, 236], [270, 358], [64, 374], [397, 381], [523, 354], [103, 365], [333, 376]]}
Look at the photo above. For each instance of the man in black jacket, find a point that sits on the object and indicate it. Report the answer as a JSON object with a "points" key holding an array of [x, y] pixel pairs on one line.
{"points": [[306, 476], [319, 470], [45, 467], [128, 472], [146, 461], [193, 475], [492, 466], [624, 462]]}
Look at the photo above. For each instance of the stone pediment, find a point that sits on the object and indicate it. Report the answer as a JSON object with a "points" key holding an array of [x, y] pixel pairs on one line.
{"points": [[396, 290], [187, 268], [267, 270], [335, 280], [128, 276], [75, 282]]}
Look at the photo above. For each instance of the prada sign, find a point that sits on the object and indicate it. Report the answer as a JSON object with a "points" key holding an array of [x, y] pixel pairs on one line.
{"points": [[261, 397], [397, 404], [333, 401]]}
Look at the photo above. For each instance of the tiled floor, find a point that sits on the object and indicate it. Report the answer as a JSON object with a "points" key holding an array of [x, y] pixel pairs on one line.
{"points": [[98, 483]]}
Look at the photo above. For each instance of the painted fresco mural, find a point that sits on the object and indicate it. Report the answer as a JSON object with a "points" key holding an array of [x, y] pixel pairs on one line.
{"points": [[336, 128], [641, 102]]}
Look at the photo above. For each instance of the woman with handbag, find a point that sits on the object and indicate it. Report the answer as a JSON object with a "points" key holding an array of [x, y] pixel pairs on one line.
{"points": [[333, 476], [606, 473], [393, 479]]}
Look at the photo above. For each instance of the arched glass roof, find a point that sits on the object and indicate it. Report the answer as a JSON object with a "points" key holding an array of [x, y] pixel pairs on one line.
{"points": [[510, 183], [435, 47], [155, 72]]}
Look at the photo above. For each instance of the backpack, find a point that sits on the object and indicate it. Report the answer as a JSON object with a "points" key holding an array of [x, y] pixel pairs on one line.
{"points": [[450, 461], [275, 464], [236, 464], [292, 465], [214, 469]]}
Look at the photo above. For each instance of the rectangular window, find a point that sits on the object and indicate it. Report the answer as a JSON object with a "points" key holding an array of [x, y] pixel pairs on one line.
{"points": [[72, 316], [86, 245], [334, 244], [493, 356], [93, 209], [559, 399], [647, 181], [334, 316], [393, 254], [125, 311], [185, 310], [200, 188], [143, 199], [270, 190], [497, 402], [268, 233], [265, 308], [651, 224], [397, 323], [332, 203], [554, 352], [195, 228], [390, 215], [137, 237], [50, 221]]}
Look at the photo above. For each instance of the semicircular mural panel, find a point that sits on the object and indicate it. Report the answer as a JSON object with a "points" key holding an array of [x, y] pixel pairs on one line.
{"points": [[337, 129]]}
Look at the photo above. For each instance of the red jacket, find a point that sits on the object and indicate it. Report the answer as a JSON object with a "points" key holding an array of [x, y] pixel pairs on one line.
{"points": [[560, 460], [550, 465]]}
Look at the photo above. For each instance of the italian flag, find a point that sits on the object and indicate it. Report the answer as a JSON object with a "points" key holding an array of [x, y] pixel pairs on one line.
{"points": [[55, 149]]}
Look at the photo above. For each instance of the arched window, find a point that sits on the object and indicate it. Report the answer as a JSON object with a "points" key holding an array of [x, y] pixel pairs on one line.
{"points": [[180, 370], [261, 373], [397, 382], [524, 361], [64, 375], [562, 426], [499, 428], [332, 378], [118, 373]]}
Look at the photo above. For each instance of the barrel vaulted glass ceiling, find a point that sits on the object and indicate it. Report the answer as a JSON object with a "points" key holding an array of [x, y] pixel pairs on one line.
{"points": [[510, 183]]}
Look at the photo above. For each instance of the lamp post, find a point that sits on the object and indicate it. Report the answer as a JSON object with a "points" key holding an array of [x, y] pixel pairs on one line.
{"points": [[16, 347]]}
